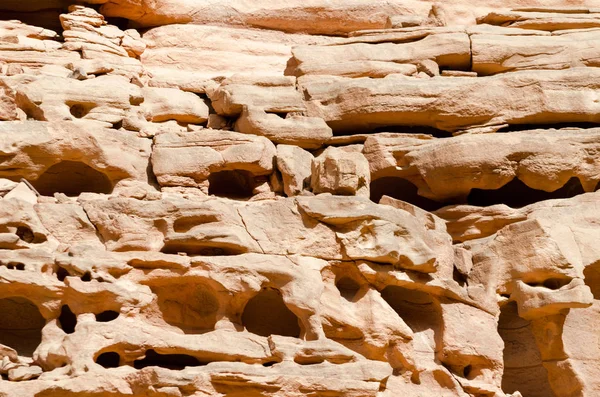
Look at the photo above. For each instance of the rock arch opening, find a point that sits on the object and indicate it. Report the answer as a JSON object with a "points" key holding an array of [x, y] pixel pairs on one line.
{"points": [[72, 178], [523, 368], [21, 325], [266, 314]]}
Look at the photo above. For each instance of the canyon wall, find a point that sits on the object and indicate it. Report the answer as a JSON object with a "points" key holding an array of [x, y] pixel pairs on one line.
{"points": [[299, 198]]}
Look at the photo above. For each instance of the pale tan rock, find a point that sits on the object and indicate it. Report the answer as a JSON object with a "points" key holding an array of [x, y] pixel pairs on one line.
{"points": [[272, 94], [507, 158], [495, 54], [71, 157], [543, 20], [450, 50], [169, 225], [340, 172], [24, 373], [453, 104], [189, 159], [305, 132], [173, 266], [162, 104], [177, 58], [294, 164], [106, 99]]}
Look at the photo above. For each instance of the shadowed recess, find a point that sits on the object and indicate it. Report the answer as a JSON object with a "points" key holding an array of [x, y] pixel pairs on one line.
{"points": [[170, 361], [348, 288], [266, 314], [106, 316], [416, 308], [67, 319], [523, 369], [232, 184], [72, 178], [109, 359], [20, 325], [401, 189], [516, 194]]}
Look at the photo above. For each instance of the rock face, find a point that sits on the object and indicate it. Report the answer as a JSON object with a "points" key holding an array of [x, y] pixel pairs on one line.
{"points": [[301, 198]]}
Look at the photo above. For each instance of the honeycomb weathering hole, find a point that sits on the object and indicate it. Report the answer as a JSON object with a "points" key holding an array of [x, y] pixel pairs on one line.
{"points": [[72, 178], [348, 288], [109, 359], [21, 325], [266, 314], [67, 319], [192, 307]]}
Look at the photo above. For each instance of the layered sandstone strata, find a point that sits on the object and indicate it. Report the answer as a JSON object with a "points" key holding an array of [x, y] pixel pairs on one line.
{"points": [[300, 198]]}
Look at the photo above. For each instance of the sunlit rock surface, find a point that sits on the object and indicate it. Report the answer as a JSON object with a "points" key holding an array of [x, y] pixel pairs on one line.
{"points": [[299, 198]]}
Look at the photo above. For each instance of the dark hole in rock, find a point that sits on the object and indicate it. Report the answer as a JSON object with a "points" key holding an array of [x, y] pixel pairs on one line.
{"points": [[348, 288], [282, 115], [270, 363], [401, 189], [460, 278], [25, 234], [72, 178], [309, 360], [523, 368], [527, 127], [192, 247], [87, 277], [467, 371], [15, 266], [21, 325], [592, 279], [121, 23], [266, 314], [170, 361], [416, 308], [232, 184], [67, 319], [106, 316], [191, 306], [552, 283], [407, 129], [61, 273], [80, 110], [109, 359], [516, 194]]}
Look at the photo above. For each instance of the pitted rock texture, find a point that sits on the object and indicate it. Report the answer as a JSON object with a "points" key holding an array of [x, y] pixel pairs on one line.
{"points": [[302, 198]]}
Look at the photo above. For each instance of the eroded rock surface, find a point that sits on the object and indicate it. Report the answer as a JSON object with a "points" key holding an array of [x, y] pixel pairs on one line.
{"points": [[300, 198]]}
